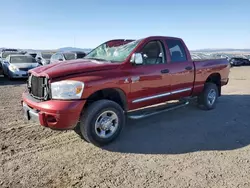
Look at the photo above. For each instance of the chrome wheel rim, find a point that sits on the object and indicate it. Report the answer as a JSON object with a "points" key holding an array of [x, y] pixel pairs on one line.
{"points": [[211, 96], [106, 124]]}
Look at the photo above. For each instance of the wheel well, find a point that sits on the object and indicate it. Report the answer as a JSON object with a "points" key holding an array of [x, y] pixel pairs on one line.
{"points": [[216, 79], [113, 94]]}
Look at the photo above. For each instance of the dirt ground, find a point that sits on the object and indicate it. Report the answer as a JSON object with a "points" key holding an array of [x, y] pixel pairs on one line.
{"points": [[186, 147]]}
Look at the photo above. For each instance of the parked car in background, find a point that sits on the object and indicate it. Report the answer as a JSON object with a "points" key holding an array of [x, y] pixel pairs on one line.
{"points": [[33, 54], [9, 50], [63, 56], [239, 61], [247, 61], [43, 58], [1, 69], [6, 53], [120, 78], [17, 65], [79, 54]]}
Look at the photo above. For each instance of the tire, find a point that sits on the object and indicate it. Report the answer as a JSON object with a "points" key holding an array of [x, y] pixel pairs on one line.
{"points": [[205, 102], [9, 76], [93, 114]]}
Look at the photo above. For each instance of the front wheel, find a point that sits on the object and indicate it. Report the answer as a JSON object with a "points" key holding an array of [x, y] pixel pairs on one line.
{"points": [[102, 122], [208, 98], [9, 76]]}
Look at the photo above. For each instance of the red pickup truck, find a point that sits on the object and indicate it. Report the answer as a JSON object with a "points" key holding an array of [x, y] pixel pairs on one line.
{"points": [[117, 79]]}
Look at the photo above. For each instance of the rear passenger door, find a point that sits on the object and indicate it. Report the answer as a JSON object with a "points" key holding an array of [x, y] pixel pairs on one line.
{"points": [[180, 68]]}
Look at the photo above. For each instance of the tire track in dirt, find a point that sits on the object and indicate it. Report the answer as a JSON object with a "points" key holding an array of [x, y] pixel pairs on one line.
{"points": [[43, 145]]}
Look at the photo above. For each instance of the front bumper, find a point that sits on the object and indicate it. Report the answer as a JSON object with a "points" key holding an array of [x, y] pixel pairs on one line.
{"points": [[56, 114], [19, 74]]}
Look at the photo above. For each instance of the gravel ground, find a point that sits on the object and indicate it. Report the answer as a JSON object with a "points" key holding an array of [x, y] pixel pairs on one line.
{"points": [[187, 147]]}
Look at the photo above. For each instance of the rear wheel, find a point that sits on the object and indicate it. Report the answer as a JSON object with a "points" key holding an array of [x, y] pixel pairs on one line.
{"points": [[208, 98], [102, 122]]}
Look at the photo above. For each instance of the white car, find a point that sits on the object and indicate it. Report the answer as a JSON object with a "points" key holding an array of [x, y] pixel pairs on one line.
{"points": [[17, 65]]}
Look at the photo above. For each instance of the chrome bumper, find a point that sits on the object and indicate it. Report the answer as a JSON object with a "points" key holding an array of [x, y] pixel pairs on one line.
{"points": [[30, 114]]}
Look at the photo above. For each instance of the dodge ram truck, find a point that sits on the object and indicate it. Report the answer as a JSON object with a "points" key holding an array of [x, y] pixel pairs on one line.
{"points": [[119, 79]]}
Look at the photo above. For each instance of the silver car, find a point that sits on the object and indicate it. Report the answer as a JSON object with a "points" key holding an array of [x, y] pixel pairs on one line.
{"points": [[17, 65]]}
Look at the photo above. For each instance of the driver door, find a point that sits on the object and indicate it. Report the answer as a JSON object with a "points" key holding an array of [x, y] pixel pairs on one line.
{"points": [[150, 82]]}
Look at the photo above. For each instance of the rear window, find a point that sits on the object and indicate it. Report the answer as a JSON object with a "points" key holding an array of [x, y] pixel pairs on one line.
{"points": [[22, 59], [69, 56], [177, 50]]}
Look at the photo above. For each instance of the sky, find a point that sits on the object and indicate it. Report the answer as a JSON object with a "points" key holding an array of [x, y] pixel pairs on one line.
{"points": [[51, 24]]}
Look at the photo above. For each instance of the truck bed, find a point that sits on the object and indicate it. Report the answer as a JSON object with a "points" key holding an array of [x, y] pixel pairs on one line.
{"points": [[204, 68]]}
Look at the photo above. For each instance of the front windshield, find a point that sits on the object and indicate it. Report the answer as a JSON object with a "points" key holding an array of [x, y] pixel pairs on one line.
{"points": [[117, 53], [46, 55], [22, 59]]}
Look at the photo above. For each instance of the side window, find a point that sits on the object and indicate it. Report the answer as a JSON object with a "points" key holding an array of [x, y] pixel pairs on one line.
{"points": [[53, 57], [59, 56], [177, 51], [153, 53]]}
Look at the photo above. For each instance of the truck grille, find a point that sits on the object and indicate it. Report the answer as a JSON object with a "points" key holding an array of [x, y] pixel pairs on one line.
{"points": [[38, 87]]}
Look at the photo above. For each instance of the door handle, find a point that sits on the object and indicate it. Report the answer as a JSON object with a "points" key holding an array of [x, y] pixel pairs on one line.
{"points": [[189, 68], [164, 71]]}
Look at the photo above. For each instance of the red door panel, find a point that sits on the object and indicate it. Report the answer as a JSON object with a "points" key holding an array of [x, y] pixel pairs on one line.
{"points": [[182, 78], [148, 85]]}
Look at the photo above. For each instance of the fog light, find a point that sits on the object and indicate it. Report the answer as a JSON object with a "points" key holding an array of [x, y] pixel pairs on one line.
{"points": [[51, 119]]}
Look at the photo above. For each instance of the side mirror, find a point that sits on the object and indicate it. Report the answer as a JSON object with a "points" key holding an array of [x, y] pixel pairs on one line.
{"points": [[137, 59]]}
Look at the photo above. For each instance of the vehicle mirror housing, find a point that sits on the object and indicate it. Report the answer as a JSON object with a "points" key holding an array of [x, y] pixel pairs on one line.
{"points": [[137, 59]]}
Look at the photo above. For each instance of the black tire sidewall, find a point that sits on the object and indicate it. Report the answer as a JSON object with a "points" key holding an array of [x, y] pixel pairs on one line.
{"points": [[208, 88], [92, 113]]}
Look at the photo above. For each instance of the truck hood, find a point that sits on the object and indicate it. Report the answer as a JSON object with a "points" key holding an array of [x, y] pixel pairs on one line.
{"points": [[71, 67]]}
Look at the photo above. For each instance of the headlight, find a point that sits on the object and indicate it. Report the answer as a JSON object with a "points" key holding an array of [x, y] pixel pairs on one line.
{"points": [[13, 68], [68, 89]]}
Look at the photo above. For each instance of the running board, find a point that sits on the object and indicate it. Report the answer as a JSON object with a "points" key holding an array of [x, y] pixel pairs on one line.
{"points": [[147, 113]]}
